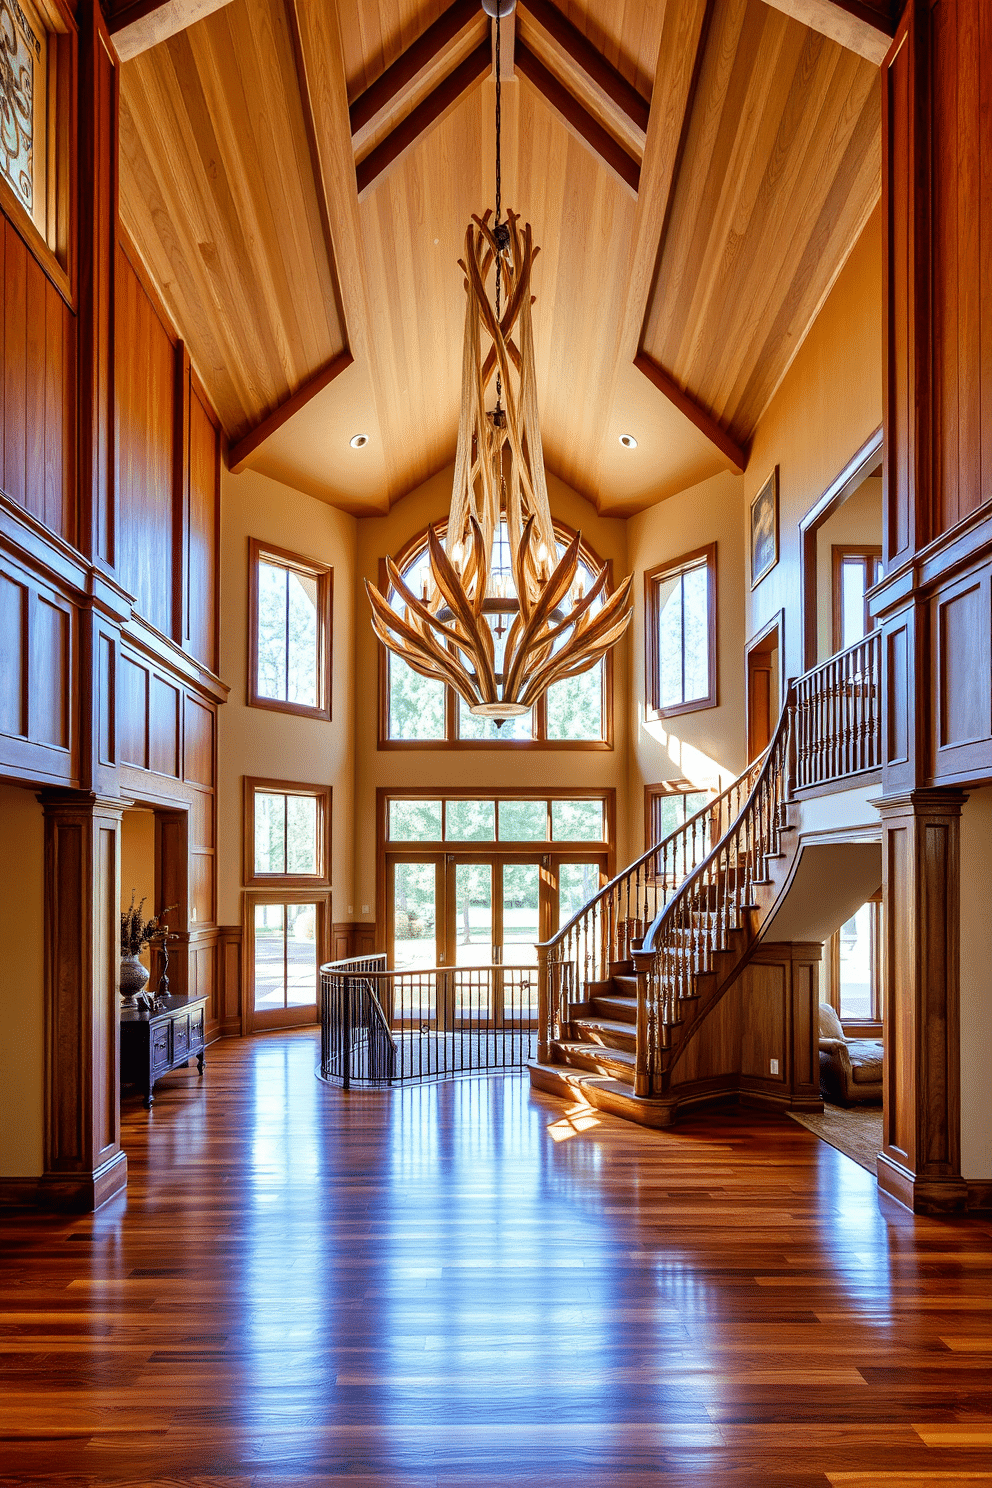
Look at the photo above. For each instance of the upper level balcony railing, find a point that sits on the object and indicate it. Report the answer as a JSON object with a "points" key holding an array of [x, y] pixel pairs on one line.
{"points": [[838, 717]]}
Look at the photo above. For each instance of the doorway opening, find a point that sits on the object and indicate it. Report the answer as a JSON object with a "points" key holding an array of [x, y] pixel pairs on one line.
{"points": [[764, 685]]}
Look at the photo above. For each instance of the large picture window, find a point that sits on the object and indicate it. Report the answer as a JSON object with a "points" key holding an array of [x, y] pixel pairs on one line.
{"points": [[416, 712], [289, 661], [680, 634]]}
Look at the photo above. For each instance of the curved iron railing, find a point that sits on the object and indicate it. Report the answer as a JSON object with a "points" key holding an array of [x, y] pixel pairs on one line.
{"points": [[355, 1041], [383, 1027]]}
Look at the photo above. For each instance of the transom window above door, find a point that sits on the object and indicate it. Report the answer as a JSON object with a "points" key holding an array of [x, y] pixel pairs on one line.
{"points": [[523, 819]]}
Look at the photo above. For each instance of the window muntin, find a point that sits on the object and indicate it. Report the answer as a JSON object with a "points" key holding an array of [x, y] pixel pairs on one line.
{"points": [[290, 639], [680, 634], [287, 832], [573, 714]]}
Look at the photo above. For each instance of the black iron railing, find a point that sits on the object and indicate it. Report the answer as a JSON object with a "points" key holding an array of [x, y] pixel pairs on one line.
{"points": [[382, 1027]]}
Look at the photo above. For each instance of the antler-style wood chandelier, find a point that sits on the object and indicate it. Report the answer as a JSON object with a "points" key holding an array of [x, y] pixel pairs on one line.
{"points": [[494, 624]]}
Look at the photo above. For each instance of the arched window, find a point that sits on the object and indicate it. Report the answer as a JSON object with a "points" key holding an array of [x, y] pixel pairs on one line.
{"points": [[415, 712]]}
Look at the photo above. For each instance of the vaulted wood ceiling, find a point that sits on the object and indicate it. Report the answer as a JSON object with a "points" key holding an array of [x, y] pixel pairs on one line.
{"points": [[298, 176]]}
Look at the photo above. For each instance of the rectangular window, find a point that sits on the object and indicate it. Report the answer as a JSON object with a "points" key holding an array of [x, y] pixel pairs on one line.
{"points": [[289, 664], [669, 806], [680, 634], [24, 92], [468, 819], [853, 967], [855, 571], [287, 832]]}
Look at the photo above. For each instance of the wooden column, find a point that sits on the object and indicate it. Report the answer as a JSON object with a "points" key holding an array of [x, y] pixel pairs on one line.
{"points": [[84, 1164], [920, 1161]]}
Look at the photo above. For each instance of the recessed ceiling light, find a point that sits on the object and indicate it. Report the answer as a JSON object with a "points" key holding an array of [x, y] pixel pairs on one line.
{"points": [[358, 441], [628, 441]]}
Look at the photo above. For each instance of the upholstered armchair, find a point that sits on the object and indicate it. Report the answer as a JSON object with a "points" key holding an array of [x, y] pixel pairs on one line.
{"points": [[850, 1069]]}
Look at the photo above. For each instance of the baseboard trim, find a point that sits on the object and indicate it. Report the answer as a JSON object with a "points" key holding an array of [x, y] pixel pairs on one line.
{"points": [[20, 1193], [979, 1195], [81, 1193], [937, 1196]]}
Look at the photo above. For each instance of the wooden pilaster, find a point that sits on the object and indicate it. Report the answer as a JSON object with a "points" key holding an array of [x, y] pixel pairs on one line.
{"points": [[84, 1164], [920, 1161]]}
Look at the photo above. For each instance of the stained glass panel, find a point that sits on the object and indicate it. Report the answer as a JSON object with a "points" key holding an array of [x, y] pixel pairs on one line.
{"points": [[22, 52]]}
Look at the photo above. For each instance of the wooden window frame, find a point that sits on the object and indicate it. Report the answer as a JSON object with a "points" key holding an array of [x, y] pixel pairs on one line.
{"points": [[322, 793], [53, 248], [324, 575], [665, 788], [841, 553], [653, 578], [540, 741], [302, 1013]]}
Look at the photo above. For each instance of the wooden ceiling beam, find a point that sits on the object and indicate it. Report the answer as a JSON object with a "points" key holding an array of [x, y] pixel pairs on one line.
{"points": [[434, 54], [240, 453], [863, 26], [704, 421], [575, 62], [320, 71], [425, 117], [139, 26], [577, 119]]}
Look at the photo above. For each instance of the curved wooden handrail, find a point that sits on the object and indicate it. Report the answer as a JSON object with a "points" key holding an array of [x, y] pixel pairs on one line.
{"points": [[658, 849]]}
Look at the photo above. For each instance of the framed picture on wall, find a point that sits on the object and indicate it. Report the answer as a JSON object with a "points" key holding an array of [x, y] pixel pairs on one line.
{"points": [[764, 529]]}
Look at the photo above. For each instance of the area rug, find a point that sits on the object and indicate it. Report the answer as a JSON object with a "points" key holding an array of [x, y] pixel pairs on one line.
{"points": [[856, 1132]]}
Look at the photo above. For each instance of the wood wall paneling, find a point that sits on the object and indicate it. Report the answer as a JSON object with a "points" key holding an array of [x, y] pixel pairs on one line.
{"points": [[38, 390], [132, 717], [202, 620], [229, 976], [14, 667], [199, 743], [145, 387]]}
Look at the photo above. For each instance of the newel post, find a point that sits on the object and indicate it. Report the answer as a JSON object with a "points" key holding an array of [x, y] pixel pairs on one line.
{"points": [[543, 1006]]}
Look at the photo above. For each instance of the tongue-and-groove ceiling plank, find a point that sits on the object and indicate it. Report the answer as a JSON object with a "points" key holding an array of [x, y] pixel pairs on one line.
{"points": [[780, 172], [217, 190]]}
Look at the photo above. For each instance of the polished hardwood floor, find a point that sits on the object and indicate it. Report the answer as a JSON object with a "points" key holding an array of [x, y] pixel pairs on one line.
{"points": [[476, 1284]]}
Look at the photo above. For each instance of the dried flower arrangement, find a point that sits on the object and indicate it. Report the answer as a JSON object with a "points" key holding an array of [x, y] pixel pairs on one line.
{"points": [[136, 932]]}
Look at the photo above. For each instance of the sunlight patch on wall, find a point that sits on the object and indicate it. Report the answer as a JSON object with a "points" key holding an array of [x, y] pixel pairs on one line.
{"points": [[689, 762]]}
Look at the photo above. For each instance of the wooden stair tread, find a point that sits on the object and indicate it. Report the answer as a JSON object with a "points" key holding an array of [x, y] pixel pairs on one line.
{"points": [[622, 1060]]}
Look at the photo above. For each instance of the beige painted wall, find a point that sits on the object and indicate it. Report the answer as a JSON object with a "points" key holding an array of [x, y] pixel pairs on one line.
{"points": [[976, 987], [22, 972], [706, 747], [827, 406], [859, 521], [138, 864], [484, 768], [255, 741]]}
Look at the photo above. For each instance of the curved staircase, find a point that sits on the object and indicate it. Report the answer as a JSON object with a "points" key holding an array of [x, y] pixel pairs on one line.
{"points": [[631, 980]]}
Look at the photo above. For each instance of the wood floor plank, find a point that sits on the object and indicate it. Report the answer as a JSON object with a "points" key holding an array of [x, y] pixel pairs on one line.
{"points": [[443, 1287]]}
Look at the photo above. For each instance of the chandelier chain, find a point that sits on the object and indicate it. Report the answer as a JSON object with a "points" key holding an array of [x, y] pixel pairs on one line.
{"points": [[499, 192]]}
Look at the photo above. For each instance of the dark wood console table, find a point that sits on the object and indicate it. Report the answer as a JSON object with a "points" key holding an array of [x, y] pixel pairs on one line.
{"points": [[154, 1043]]}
